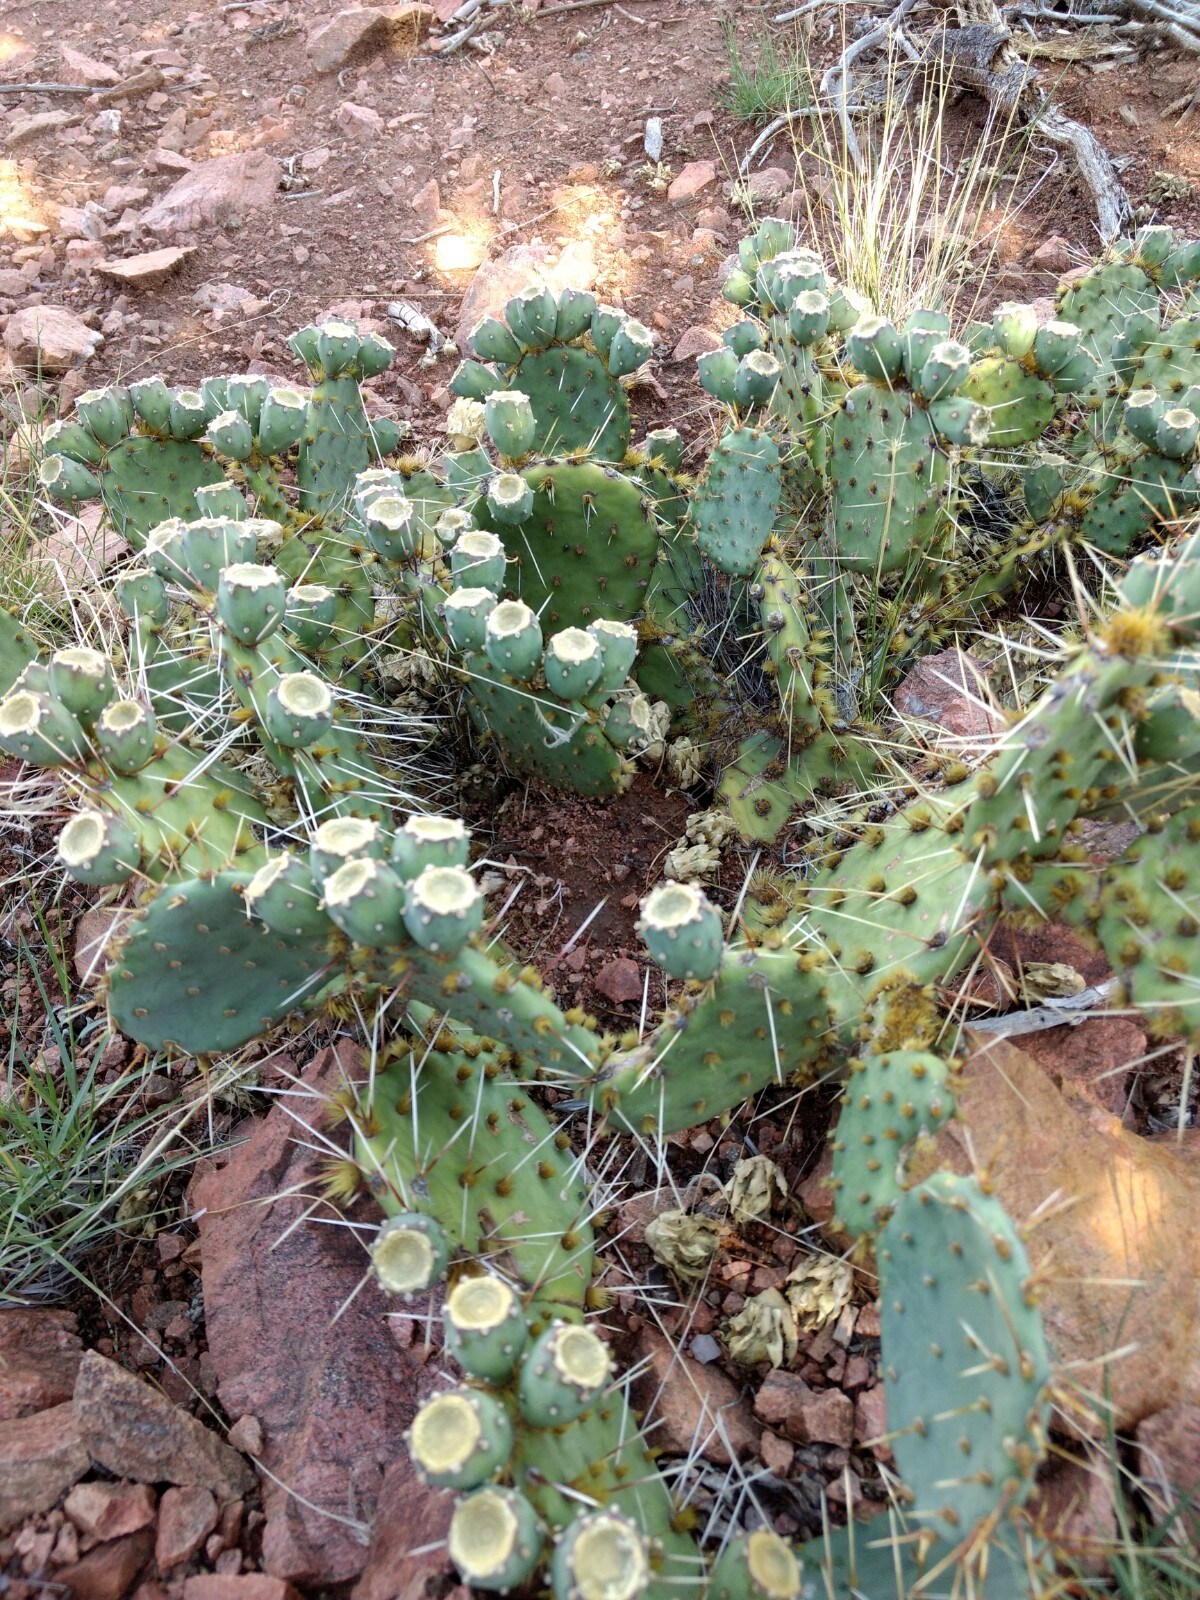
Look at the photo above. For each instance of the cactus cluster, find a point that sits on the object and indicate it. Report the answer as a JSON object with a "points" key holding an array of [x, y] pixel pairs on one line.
{"points": [[239, 778]]}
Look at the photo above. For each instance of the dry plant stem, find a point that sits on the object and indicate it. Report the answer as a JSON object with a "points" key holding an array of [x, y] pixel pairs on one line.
{"points": [[815, 5], [1071, 1011], [1113, 208], [445, 47], [1182, 26], [574, 5], [782, 121], [46, 88], [835, 81], [1061, 19]]}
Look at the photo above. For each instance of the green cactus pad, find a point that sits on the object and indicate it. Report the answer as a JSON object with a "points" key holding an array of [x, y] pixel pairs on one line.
{"points": [[901, 901], [148, 480], [735, 505], [761, 1020], [450, 1133], [493, 997], [188, 813], [577, 403], [966, 1363], [1102, 302], [314, 555], [888, 478], [17, 649], [588, 547], [603, 1456], [883, 1559], [195, 974], [564, 746], [764, 788], [1149, 923], [1021, 403], [337, 443], [1171, 362], [890, 1101], [1136, 497]]}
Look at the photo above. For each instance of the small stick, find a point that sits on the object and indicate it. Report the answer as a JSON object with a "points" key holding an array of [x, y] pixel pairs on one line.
{"points": [[815, 5], [445, 47], [47, 88], [574, 5], [434, 233], [836, 80], [773, 128], [516, 227]]}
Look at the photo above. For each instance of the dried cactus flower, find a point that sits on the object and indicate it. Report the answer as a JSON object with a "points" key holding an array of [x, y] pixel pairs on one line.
{"points": [[752, 1190], [817, 1290], [763, 1330], [683, 1243]]}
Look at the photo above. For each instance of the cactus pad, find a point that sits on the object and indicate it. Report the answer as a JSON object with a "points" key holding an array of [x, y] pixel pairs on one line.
{"points": [[890, 1101], [196, 974], [735, 505], [587, 548], [966, 1364], [448, 1133], [888, 478], [146, 480]]}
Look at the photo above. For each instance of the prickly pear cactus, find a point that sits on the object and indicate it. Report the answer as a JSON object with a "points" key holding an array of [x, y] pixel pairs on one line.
{"points": [[1148, 919], [482, 1156], [235, 781], [966, 1364], [734, 506], [196, 974], [338, 442], [587, 546], [568, 355], [110, 452], [891, 1100]]}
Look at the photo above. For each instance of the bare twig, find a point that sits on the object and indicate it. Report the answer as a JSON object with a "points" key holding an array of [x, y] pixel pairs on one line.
{"points": [[434, 233], [782, 121], [1113, 207], [1183, 26], [835, 81], [574, 5], [1061, 19], [515, 227], [47, 88], [817, 5], [1072, 1010], [446, 47]]}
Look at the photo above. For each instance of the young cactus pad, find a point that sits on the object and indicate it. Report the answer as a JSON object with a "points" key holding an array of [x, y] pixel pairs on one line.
{"points": [[890, 1100], [563, 1372], [682, 930], [409, 1253], [602, 1555]]}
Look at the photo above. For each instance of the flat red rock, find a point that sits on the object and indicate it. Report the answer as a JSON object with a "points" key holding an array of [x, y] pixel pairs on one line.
{"points": [[151, 267]]}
